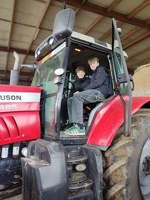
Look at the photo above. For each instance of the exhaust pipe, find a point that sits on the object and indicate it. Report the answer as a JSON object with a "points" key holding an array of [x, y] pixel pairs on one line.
{"points": [[29, 65], [14, 74]]}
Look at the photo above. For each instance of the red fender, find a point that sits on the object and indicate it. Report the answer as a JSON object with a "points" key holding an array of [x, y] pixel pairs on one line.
{"points": [[109, 119]]}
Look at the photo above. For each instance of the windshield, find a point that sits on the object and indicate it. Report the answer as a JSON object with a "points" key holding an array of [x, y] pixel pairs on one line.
{"points": [[47, 66], [44, 78]]}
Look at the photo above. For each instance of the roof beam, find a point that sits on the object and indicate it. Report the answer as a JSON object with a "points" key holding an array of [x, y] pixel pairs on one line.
{"points": [[138, 8], [147, 22], [77, 11], [38, 27], [103, 11], [119, 24], [12, 21], [112, 5], [136, 40], [96, 20], [100, 17], [130, 33], [138, 53], [131, 14], [10, 32], [27, 25], [142, 62], [20, 51], [84, 1]]}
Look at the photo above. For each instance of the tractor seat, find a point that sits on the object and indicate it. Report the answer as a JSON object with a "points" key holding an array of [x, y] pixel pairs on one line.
{"points": [[87, 108], [98, 105]]}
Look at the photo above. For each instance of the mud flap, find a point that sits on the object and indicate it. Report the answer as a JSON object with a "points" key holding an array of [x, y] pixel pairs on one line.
{"points": [[95, 170], [44, 172]]}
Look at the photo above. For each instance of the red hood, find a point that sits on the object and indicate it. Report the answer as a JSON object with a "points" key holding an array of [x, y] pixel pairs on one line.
{"points": [[19, 113]]}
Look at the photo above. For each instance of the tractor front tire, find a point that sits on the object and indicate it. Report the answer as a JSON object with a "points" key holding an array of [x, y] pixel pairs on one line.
{"points": [[127, 173]]}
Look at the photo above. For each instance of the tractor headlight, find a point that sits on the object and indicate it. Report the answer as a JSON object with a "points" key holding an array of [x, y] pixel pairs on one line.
{"points": [[80, 167]]}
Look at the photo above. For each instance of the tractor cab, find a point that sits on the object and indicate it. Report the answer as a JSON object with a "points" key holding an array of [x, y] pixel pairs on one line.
{"points": [[55, 74], [57, 59]]}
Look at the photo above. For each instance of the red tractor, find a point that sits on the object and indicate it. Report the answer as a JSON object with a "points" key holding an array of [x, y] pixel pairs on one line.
{"points": [[112, 161]]}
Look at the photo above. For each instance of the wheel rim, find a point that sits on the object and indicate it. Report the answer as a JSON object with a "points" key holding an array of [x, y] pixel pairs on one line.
{"points": [[144, 171]]}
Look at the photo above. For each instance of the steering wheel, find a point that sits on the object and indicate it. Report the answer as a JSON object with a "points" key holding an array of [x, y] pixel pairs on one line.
{"points": [[68, 89]]}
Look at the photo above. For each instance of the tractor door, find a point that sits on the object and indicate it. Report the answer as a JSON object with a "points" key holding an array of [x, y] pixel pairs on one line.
{"points": [[51, 56], [122, 78]]}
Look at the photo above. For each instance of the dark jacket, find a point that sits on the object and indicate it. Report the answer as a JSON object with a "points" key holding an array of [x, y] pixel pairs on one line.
{"points": [[79, 85], [99, 81]]}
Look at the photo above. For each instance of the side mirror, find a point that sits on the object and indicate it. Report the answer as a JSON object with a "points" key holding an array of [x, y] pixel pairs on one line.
{"points": [[131, 80], [62, 28], [64, 24], [122, 79]]}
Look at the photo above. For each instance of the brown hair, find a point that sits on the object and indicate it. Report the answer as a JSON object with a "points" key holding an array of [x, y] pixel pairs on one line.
{"points": [[80, 68], [91, 60]]}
